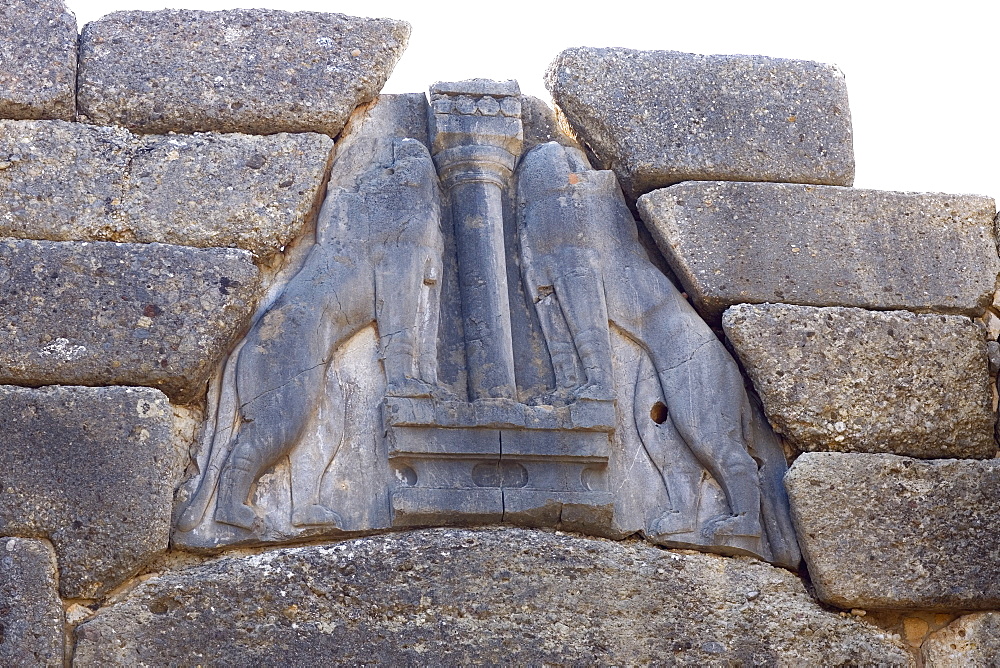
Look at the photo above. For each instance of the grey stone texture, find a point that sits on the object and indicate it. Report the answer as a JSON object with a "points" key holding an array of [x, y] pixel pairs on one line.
{"points": [[31, 614], [882, 531], [661, 117], [75, 182], [583, 267], [93, 470], [732, 243], [100, 313], [495, 596], [971, 641], [541, 125], [851, 380], [307, 384], [257, 71], [37, 60]]}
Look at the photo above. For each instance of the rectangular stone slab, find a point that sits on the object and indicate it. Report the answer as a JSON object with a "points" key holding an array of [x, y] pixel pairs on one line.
{"points": [[37, 60], [661, 117], [121, 314], [75, 182], [94, 471], [882, 531], [31, 614], [733, 243], [257, 71], [851, 380]]}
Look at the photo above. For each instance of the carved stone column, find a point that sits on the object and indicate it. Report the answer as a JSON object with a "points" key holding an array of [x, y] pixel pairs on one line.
{"points": [[477, 138]]}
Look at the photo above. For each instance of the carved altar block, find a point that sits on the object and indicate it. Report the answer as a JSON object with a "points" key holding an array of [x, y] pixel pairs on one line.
{"points": [[496, 460]]}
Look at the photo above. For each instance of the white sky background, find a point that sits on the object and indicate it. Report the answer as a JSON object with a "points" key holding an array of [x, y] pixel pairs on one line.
{"points": [[922, 82]]}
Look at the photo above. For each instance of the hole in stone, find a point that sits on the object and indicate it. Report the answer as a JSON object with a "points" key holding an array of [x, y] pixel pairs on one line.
{"points": [[406, 476], [658, 413]]}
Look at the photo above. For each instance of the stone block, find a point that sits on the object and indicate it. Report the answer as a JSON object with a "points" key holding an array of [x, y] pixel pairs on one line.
{"points": [[93, 470], [121, 314], [884, 532], [850, 380], [62, 181], [31, 614], [75, 182], [661, 117], [37, 60], [508, 596], [971, 640], [733, 243], [256, 71], [250, 192]]}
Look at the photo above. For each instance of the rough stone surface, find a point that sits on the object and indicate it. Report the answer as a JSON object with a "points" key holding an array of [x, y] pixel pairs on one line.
{"points": [[444, 597], [850, 380], [61, 180], [882, 531], [732, 243], [257, 71], [75, 182], [37, 60], [93, 470], [971, 641], [102, 313], [31, 614], [661, 117], [541, 125]]}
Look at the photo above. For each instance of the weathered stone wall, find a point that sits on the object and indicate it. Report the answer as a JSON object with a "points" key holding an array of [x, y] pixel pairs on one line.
{"points": [[227, 264]]}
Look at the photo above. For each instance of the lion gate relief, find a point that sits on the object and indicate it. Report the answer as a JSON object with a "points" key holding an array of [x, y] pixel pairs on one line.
{"points": [[476, 335]]}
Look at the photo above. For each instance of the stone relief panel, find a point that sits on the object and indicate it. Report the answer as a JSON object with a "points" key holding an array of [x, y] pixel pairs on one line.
{"points": [[475, 337]]}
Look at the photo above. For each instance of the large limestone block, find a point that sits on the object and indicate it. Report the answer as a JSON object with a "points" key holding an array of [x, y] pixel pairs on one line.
{"points": [[236, 190], [121, 314], [661, 117], [733, 243], [75, 182], [94, 471], [850, 380], [882, 531], [37, 60], [257, 71], [31, 614], [61, 180], [971, 641], [499, 596]]}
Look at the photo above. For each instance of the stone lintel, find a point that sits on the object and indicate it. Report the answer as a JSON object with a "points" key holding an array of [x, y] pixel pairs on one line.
{"points": [[477, 87]]}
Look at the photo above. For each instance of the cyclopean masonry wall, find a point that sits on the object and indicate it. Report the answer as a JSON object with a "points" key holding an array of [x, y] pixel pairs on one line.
{"points": [[295, 373]]}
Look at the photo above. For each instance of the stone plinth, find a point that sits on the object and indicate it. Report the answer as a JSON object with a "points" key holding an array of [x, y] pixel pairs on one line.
{"points": [[495, 461]]}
